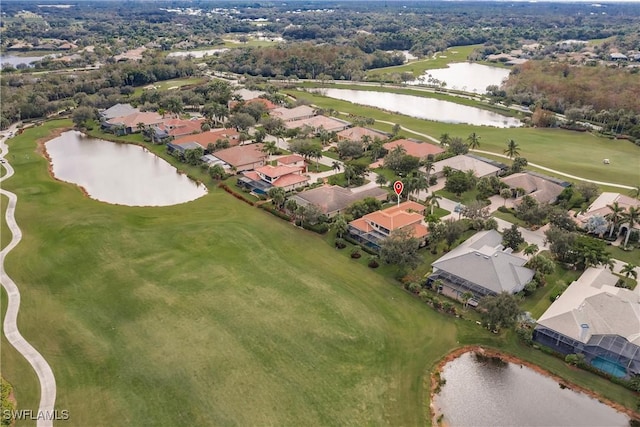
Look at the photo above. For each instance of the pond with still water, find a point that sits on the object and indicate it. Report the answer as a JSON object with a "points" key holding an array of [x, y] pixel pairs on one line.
{"points": [[423, 108], [121, 174], [466, 76], [487, 392]]}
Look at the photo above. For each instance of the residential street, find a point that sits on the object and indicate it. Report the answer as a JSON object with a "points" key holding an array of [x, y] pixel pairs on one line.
{"points": [[10, 327]]}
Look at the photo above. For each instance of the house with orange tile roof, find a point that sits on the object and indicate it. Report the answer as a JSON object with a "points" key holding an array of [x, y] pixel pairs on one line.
{"points": [[267, 104], [374, 227], [292, 160], [414, 147], [205, 138], [263, 178], [242, 157], [176, 127], [356, 133]]}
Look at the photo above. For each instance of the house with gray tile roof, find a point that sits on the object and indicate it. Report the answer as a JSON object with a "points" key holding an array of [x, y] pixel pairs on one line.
{"points": [[595, 318], [118, 110], [482, 266], [333, 199]]}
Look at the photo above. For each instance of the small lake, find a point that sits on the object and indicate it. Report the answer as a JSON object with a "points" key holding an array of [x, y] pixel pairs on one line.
{"points": [[466, 76], [122, 174], [9, 59], [423, 108], [197, 53], [483, 392]]}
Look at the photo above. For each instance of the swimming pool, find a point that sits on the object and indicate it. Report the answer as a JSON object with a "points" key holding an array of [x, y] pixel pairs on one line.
{"points": [[609, 367]]}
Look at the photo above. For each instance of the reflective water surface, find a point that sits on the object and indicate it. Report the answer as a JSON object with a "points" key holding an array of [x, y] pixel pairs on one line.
{"points": [[466, 76], [423, 108], [483, 392], [121, 174]]}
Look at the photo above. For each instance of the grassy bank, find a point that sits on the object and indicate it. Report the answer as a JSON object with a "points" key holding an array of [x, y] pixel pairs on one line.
{"points": [[575, 153], [215, 312], [418, 67]]}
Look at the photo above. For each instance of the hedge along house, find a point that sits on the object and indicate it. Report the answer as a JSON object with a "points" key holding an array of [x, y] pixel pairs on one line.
{"points": [[481, 266], [595, 318]]}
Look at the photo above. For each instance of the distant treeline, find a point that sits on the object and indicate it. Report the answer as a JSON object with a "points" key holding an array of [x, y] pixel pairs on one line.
{"points": [[304, 60]]}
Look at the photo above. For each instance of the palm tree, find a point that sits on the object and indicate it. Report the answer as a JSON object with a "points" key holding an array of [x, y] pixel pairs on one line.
{"points": [[531, 249], [445, 139], [432, 201], [335, 165], [512, 149], [429, 167], [473, 141], [270, 148], [614, 216], [140, 127], [629, 270], [414, 183], [381, 180], [505, 193], [349, 172], [631, 217], [466, 297]]}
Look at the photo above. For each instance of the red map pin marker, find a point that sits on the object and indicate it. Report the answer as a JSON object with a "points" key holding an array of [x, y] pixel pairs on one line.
{"points": [[398, 186]]}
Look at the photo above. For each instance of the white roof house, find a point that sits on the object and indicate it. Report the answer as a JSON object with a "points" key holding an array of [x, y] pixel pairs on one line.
{"points": [[464, 163], [597, 319], [483, 266]]}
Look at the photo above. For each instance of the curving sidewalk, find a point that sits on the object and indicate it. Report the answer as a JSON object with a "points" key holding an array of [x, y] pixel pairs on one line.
{"points": [[45, 375]]}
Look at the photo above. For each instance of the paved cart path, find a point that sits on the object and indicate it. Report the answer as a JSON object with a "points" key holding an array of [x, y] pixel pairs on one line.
{"points": [[10, 327]]}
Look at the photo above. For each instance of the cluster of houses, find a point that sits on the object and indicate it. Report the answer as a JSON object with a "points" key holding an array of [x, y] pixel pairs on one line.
{"points": [[592, 317]]}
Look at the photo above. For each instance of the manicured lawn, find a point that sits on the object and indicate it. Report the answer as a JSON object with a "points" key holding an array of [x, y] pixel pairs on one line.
{"points": [[465, 198], [539, 301], [631, 256], [575, 153], [331, 154], [510, 218], [215, 312], [172, 84], [387, 173], [418, 67]]}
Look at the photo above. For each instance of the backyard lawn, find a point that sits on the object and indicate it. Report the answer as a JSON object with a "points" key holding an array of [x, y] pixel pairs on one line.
{"points": [[215, 312]]}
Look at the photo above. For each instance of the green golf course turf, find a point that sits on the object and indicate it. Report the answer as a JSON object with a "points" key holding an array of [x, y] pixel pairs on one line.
{"points": [[574, 153], [214, 312]]}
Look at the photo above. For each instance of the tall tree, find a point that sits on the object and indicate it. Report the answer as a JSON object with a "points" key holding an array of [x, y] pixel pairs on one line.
{"points": [[512, 149], [614, 217], [432, 201], [631, 217], [629, 270], [500, 311], [512, 238], [473, 141], [381, 180], [401, 249], [270, 148], [277, 195], [445, 139]]}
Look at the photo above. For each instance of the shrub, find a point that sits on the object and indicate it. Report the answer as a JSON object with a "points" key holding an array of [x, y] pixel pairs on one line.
{"points": [[320, 228], [373, 262], [504, 209], [355, 252], [275, 212], [340, 243]]}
